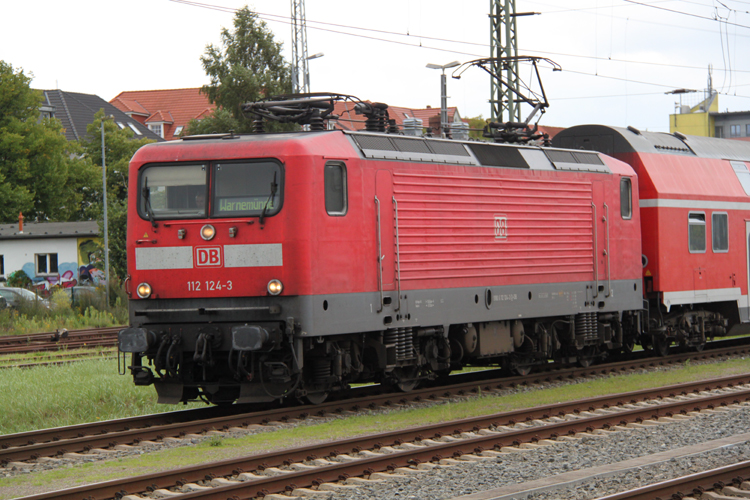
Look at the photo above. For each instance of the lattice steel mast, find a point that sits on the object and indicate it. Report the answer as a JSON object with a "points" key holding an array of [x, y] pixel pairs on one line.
{"points": [[504, 44], [300, 72]]}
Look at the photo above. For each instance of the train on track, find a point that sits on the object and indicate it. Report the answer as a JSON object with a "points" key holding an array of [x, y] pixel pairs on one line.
{"points": [[292, 265]]}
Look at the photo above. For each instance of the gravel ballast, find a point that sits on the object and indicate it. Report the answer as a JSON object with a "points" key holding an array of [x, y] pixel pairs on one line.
{"points": [[513, 468]]}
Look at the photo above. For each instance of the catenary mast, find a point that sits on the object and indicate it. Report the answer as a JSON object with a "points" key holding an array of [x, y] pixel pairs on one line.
{"points": [[300, 72], [504, 44]]}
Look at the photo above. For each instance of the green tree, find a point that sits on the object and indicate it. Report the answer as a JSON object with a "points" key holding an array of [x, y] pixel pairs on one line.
{"points": [[119, 148], [476, 124], [39, 170], [117, 222], [246, 68]]}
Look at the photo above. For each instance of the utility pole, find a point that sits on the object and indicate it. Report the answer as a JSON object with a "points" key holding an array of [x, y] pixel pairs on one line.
{"points": [[444, 126], [106, 228], [504, 44], [300, 71]]}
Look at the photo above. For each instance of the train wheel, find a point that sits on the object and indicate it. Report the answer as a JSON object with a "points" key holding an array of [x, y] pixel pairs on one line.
{"points": [[587, 356], [661, 346], [407, 379], [628, 346], [315, 398], [521, 370]]}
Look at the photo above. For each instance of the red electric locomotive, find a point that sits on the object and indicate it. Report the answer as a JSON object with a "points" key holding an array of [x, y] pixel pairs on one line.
{"points": [[694, 215], [267, 266]]}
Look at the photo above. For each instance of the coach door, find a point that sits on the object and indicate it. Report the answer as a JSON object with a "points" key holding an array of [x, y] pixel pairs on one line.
{"points": [[600, 221], [385, 219]]}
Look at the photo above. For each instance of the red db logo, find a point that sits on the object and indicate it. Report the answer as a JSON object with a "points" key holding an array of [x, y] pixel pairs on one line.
{"points": [[207, 256]]}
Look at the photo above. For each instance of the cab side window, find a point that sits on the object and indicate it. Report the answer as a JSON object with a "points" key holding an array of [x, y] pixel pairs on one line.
{"points": [[626, 198], [335, 188], [697, 232]]}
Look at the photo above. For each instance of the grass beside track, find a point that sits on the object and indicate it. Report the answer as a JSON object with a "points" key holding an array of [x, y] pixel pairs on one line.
{"points": [[46, 397], [80, 392]]}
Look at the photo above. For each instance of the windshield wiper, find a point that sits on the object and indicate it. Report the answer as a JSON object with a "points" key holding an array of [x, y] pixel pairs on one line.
{"points": [[274, 187], [147, 196]]}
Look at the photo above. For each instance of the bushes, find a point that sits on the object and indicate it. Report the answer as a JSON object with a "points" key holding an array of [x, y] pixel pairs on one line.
{"points": [[19, 279], [87, 311]]}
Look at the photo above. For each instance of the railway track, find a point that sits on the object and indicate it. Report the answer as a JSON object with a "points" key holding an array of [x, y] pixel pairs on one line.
{"points": [[58, 359], [61, 339], [327, 465], [83, 438], [723, 483]]}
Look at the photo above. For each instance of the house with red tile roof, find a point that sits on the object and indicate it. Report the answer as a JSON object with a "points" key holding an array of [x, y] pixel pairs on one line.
{"points": [[550, 131], [164, 112], [349, 120]]}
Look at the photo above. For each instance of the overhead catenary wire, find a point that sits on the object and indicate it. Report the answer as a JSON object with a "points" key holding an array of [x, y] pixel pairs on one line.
{"points": [[690, 14], [310, 25], [287, 20]]}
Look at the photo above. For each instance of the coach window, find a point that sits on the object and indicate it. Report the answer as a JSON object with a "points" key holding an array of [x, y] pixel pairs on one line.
{"points": [[335, 187], [697, 232], [626, 198], [719, 232]]}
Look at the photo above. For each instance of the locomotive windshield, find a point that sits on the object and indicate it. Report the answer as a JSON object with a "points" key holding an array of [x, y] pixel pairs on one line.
{"points": [[246, 189], [173, 192]]}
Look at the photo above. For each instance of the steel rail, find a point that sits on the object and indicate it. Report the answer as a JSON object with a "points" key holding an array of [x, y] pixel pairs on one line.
{"points": [[61, 362], [46, 336], [397, 458], [689, 485], [58, 356], [53, 341]]}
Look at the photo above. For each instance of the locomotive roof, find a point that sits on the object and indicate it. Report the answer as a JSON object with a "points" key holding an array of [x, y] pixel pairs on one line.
{"points": [[426, 149], [613, 140], [381, 146]]}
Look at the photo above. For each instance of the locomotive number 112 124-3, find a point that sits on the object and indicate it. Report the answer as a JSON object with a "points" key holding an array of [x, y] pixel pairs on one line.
{"points": [[208, 286]]}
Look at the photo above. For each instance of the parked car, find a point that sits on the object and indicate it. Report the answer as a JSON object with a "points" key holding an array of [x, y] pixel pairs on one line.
{"points": [[14, 296], [76, 293]]}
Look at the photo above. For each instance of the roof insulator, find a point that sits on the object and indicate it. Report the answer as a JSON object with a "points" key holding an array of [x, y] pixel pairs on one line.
{"points": [[634, 130], [679, 135]]}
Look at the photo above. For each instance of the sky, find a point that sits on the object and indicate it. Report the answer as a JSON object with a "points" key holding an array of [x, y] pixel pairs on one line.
{"points": [[618, 57]]}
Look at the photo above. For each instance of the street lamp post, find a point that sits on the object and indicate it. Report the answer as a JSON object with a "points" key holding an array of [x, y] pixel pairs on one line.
{"points": [[443, 94], [307, 74], [106, 229]]}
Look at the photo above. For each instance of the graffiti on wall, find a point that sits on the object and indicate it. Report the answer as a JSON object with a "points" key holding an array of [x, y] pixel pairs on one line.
{"points": [[65, 278], [69, 274], [89, 263]]}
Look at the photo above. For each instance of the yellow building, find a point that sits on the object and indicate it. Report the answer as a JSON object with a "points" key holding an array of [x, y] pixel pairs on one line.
{"points": [[704, 119], [697, 120]]}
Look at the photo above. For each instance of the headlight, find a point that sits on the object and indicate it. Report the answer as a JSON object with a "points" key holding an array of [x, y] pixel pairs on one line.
{"points": [[275, 287], [208, 232], [144, 290]]}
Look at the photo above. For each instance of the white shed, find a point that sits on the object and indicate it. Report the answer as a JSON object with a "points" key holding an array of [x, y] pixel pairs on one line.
{"points": [[51, 253]]}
